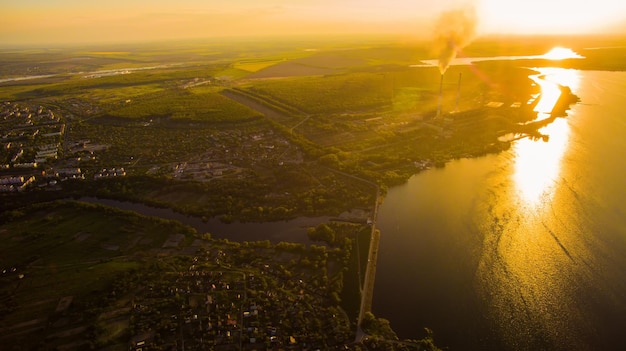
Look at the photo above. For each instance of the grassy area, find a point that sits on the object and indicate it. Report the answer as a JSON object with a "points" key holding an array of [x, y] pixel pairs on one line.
{"points": [[14, 92], [115, 95], [255, 65], [59, 234], [231, 73], [329, 94], [398, 90], [198, 104], [59, 249], [150, 74]]}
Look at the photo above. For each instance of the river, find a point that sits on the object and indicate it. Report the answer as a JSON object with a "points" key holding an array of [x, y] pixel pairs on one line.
{"points": [[523, 250], [294, 230]]}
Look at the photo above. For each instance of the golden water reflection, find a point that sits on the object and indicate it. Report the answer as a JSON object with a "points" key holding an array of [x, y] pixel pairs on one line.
{"points": [[564, 76], [561, 53], [538, 163]]}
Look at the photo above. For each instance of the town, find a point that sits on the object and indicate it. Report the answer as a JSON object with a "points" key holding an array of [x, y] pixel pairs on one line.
{"points": [[39, 153]]}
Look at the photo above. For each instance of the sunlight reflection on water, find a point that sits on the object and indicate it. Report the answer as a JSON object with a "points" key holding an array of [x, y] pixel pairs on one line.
{"points": [[488, 270], [537, 164], [556, 54]]}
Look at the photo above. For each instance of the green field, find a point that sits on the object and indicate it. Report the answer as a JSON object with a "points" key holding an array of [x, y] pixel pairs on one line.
{"points": [[122, 94], [255, 65], [197, 104], [329, 94], [68, 248]]}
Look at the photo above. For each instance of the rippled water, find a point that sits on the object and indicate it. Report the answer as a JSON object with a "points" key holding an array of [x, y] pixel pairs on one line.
{"points": [[525, 250]]}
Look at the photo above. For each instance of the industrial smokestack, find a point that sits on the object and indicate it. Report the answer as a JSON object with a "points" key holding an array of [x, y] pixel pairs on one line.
{"points": [[454, 30], [440, 96], [458, 93]]}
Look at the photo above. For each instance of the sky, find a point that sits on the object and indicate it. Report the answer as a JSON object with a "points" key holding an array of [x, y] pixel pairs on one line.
{"points": [[26, 22]]}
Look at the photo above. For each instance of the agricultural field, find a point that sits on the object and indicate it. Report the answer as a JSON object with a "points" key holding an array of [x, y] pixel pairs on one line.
{"points": [[52, 251], [200, 104], [291, 69], [316, 64], [329, 94], [256, 65]]}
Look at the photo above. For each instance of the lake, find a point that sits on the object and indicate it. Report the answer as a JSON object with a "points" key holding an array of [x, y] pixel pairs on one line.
{"points": [[524, 250]]}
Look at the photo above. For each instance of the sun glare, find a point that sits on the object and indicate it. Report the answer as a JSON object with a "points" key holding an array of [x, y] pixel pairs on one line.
{"points": [[559, 53], [549, 81], [538, 164], [551, 16], [563, 76], [550, 94]]}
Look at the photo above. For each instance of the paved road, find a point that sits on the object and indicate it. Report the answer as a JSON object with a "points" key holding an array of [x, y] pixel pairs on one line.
{"points": [[367, 292]]}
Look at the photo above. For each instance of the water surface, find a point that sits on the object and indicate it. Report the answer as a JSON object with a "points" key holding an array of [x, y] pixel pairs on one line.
{"points": [[294, 230], [518, 251]]}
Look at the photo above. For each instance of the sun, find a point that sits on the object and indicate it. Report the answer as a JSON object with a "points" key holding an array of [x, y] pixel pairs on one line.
{"points": [[550, 16]]}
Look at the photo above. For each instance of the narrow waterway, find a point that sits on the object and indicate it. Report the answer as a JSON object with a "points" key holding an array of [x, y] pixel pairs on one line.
{"points": [[523, 250], [294, 230]]}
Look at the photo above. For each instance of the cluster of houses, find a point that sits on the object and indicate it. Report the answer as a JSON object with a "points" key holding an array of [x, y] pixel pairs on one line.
{"points": [[234, 152], [244, 309], [203, 170], [69, 173], [33, 142], [47, 152], [24, 127], [109, 173], [27, 116], [15, 183], [31, 146]]}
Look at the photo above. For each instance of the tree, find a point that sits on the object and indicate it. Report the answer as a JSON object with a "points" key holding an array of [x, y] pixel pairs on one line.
{"points": [[322, 232], [428, 343], [378, 327]]}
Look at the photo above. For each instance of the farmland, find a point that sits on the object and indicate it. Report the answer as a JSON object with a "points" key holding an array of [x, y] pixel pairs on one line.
{"points": [[329, 94], [197, 104]]}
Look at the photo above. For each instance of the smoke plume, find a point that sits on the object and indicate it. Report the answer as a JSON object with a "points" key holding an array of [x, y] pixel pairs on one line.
{"points": [[454, 30]]}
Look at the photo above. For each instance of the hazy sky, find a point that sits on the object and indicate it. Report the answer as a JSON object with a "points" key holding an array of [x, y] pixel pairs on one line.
{"points": [[59, 21]]}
